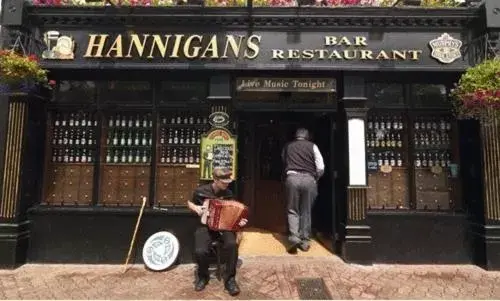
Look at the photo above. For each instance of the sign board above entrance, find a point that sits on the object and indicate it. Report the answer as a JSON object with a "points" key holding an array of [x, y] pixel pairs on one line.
{"points": [[264, 50], [285, 84]]}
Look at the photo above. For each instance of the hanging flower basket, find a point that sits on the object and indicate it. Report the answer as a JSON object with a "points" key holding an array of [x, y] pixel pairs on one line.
{"points": [[20, 73], [477, 94]]}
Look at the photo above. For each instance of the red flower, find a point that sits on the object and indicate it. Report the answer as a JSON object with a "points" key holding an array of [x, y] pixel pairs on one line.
{"points": [[52, 82], [33, 58]]}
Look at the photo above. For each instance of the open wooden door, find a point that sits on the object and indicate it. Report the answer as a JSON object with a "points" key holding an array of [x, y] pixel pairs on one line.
{"points": [[270, 204]]}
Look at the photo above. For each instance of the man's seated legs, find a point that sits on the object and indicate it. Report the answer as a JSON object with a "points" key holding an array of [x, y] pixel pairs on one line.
{"points": [[203, 239]]}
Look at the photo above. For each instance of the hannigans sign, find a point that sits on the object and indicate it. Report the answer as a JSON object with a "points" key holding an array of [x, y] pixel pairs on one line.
{"points": [[262, 48]]}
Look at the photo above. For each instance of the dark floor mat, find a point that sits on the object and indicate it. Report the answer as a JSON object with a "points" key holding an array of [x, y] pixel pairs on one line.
{"points": [[312, 289]]}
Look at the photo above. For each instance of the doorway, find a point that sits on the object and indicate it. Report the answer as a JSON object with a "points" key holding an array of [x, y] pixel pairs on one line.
{"points": [[262, 136]]}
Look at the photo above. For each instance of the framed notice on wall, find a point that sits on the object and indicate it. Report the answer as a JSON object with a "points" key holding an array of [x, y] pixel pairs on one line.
{"points": [[218, 149]]}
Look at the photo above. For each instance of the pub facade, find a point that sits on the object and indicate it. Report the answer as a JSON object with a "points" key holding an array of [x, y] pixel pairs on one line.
{"points": [[146, 101]]}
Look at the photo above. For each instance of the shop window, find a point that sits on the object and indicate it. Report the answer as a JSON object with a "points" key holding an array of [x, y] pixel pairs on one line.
{"points": [[126, 92], [412, 160], [183, 91], [179, 155], [385, 95], [76, 92], [428, 96], [72, 142]]}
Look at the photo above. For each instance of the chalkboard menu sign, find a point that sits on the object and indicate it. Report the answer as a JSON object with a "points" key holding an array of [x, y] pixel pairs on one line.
{"points": [[218, 150]]}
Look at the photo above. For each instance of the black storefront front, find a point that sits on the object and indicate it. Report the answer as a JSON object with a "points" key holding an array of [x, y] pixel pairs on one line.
{"points": [[135, 89]]}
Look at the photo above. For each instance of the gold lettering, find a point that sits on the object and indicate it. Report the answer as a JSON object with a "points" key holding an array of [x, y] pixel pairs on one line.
{"points": [[400, 54], [308, 54], [277, 54], [344, 41], [211, 47], [117, 47], [350, 57], [330, 40], [196, 49], [253, 46], [415, 54], [177, 45], [293, 54], [366, 54], [335, 55], [322, 53], [135, 42], [360, 41], [99, 45], [162, 47], [235, 46], [382, 55]]}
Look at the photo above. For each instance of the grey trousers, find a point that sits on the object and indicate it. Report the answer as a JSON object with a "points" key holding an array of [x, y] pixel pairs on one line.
{"points": [[301, 191]]}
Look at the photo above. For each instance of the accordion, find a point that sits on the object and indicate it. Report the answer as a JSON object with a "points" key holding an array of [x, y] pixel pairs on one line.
{"points": [[223, 215]]}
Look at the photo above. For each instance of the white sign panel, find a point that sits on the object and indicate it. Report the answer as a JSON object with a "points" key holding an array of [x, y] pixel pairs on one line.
{"points": [[357, 158], [160, 251]]}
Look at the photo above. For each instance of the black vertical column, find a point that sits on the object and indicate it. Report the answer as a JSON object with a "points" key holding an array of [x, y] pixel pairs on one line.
{"points": [[357, 242], [485, 225], [14, 227]]}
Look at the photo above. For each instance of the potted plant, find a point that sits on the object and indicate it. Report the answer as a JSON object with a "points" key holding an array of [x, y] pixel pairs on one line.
{"points": [[477, 94], [20, 73]]}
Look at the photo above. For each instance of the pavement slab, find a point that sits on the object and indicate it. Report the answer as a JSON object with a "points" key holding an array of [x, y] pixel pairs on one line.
{"points": [[260, 277]]}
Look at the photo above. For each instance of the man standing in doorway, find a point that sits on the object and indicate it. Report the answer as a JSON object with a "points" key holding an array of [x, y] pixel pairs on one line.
{"points": [[304, 165]]}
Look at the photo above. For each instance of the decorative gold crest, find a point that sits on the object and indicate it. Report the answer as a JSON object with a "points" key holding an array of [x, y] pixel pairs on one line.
{"points": [[386, 168], [58, 47], [446, 49]]}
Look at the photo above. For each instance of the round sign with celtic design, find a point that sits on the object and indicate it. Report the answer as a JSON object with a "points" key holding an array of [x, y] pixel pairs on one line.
{"points": [[160, 251]]}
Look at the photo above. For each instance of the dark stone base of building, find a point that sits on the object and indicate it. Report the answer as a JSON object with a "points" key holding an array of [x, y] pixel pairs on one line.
{"points": [[103, 235], [420, 238], [14, 241], [410, 238], [357, 246], [486, 242]]}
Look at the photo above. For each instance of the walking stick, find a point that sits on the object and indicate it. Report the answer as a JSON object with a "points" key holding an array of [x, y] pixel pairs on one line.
{"points": [[135, 233]]}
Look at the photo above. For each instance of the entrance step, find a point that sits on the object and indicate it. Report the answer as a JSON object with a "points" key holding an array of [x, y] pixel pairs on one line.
{"points": [[257, 242]]}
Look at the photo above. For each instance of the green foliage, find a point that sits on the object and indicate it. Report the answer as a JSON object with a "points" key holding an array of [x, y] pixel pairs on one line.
{"points": [[15, 68], [478, 90]]}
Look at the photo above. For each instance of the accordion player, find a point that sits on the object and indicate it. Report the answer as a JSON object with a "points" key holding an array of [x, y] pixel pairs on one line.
{"points": [[223, 215]]}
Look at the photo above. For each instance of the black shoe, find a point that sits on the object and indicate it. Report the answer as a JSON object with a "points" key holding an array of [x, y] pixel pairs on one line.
{"points": [[292, 248], [304, 247], [200, 284], [232, 287]]}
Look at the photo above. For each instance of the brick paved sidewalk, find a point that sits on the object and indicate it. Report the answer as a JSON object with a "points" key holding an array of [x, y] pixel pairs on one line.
{"points": [[259, 278]]}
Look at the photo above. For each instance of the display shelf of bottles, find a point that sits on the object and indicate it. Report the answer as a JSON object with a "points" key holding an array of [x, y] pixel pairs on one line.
{"points": [[387, 162], [72, 145], [129, 139], [433, 154], [180, 137], [127, 150]]}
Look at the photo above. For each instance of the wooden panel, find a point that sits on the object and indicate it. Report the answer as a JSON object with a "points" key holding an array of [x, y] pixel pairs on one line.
{"points": [[142, 172], [426, 180], [389, 190], [109, 185], [371, 192], [433, 200], [127, 172]]}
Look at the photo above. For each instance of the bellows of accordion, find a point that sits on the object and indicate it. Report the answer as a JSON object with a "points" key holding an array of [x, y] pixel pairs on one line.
{"points": [[223, 215]]}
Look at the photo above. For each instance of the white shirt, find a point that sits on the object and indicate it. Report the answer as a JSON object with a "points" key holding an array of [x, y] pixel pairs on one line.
{"points": [[318, 160]]}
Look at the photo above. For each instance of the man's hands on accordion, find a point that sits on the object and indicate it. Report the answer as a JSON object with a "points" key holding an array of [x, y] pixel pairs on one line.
{"points": [[200, 210]]}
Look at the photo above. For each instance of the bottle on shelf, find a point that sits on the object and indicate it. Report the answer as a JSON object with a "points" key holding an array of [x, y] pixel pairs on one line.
{"points": [[399, 160]]}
